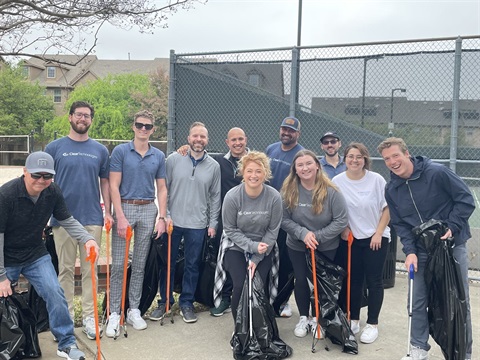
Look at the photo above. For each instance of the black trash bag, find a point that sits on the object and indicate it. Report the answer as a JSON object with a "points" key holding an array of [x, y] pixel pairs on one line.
{"points": [[50, 245], [157, 258], [333, 319], [265, 342], [206, 278], [18, 332], [447, 308], [179, 268]]}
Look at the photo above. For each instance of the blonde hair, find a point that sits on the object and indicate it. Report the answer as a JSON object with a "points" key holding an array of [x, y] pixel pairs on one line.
{"points": [[385, 144], [292, 182], [258, 158]]}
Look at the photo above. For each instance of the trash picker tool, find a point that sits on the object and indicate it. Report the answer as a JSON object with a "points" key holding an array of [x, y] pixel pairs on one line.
{"points": [[410, 306], [123, 321], [91, 258], [108, 227], [317, 331], [169, 261], [349, 272]]}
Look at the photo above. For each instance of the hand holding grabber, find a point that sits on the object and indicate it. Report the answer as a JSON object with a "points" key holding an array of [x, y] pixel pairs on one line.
{"points": [[91, 258], [124, 284]]}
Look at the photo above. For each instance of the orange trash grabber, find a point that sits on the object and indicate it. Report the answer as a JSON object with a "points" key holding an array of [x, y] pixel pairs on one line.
{"points": [[92, 257], [108, 227], [123, 321], [317, 331], [169, 253], [349, 271]]}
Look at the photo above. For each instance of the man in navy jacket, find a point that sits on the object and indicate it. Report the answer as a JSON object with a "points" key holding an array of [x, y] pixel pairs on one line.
{"points": [[420, 190]]}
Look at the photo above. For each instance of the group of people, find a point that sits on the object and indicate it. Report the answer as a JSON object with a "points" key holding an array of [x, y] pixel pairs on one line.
{"points": [[265, 209]]}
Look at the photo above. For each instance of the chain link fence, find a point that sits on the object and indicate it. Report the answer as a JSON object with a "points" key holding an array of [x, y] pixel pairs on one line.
{"points": [[425, 91]]}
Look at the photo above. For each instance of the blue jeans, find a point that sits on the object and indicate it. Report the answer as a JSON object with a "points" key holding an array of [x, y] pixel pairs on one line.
{"points": [[193, 245], [43, 278]]}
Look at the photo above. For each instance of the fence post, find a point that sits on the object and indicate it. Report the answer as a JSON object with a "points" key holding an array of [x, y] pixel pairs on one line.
{"points": [[294, 81], [455, 107], [171, 105]]}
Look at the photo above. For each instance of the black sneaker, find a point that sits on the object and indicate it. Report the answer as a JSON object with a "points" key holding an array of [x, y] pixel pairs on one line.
{"points": [[71, 353], [188, 314], [222, 308], [158, 313]]}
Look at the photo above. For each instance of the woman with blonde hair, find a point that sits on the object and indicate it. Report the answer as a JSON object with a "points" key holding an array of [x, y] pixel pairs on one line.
{"points": [[252, 213], [314, 216]]}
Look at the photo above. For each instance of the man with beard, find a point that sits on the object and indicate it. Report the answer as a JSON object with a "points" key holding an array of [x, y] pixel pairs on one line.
{"points": [[193, 183], [332, 163], [79, 164], [281, 155]]}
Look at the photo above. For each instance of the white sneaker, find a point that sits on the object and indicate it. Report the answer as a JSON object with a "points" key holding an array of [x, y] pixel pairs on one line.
{"points": [[312, 323], [369, 334], [417, 353], [135, 319], [301, 329], [89, 328], [355, 326], [286, 311], [113, 325]]}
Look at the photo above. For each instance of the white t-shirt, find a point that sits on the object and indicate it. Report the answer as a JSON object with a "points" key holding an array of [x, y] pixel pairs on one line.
{"points": [[365, 201]]}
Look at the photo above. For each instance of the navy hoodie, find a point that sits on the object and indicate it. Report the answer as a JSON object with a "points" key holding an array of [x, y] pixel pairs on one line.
{"points": [[433, 191]]}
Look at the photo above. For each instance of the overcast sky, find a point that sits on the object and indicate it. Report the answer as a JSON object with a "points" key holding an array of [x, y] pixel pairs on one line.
{"points": [[222, 25]]}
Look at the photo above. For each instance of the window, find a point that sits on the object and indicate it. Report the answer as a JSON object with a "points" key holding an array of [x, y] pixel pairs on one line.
{"points": [[470, 114], [51, 70], [352, 109], [57, 95], [26, 71], [356, 110], [254, 79]]}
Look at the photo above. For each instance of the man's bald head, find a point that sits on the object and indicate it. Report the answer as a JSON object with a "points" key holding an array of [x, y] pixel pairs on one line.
{"points": [[236, 142]]}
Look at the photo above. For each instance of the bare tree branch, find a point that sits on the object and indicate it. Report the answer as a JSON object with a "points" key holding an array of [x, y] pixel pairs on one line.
{"points": [[33, 28]]}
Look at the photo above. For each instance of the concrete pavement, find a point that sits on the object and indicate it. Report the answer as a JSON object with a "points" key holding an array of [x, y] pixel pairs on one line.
{"points": [[209, 338]]}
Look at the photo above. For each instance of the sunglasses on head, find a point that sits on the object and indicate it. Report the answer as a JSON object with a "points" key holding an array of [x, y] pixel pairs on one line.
{"points": [[140, 125], [37, 176], [326, 142]]}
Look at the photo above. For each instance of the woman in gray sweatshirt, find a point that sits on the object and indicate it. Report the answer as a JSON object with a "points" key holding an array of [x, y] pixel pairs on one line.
{"points": [[251, 213], [314, 216]]}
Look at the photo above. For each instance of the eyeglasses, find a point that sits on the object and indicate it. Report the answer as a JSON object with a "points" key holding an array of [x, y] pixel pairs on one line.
{"points": [[353, 157], [80, 115], [37, 176], [326, 142], [140, 125]]}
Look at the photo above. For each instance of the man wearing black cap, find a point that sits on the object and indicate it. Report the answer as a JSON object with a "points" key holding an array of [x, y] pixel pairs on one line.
{"points": [[281, 155], [26, 205], [332, 163]]}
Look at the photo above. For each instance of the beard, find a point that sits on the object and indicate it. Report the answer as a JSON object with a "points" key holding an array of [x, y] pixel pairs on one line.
{"points": [[79, 130]]}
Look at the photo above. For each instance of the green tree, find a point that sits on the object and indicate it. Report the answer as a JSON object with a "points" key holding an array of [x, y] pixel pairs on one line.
{"points": [[115, 99], [23, 106]]}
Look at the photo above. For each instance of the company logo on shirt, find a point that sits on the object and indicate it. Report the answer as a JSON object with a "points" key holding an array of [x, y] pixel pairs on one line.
{"points": [[304, 205], [79, 154], [240, 213]]}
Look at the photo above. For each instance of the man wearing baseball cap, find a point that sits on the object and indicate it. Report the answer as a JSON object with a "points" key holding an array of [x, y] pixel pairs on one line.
{"points": [[332, 163], [281, 155], [26, 205]]}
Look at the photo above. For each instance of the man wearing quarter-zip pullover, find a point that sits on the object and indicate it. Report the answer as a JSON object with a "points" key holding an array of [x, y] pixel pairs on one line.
{"points": [[420, 190], [193, 182]]}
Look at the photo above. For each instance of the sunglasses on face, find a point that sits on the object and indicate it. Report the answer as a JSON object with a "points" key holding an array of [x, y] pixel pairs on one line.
{"points": [[326, 142], [140, 125], [37, 176]]}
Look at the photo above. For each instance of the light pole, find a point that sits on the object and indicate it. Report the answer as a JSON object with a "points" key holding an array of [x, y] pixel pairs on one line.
{"points": [[365, 59], [391, 124]]}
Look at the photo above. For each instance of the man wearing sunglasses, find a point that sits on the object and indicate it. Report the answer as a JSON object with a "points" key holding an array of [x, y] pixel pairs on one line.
{"points": [[136, 168], [26, 205], [332, 163], [80, 163]]}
